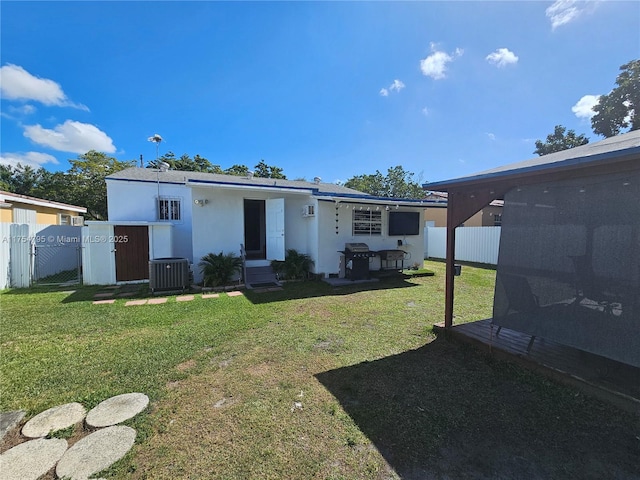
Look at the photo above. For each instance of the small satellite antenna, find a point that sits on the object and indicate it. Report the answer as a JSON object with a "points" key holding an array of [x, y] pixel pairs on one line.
{"points": [[157, 139]]}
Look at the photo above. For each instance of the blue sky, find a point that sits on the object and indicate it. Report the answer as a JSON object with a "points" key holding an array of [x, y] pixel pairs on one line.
{"points": [[329, 89]]}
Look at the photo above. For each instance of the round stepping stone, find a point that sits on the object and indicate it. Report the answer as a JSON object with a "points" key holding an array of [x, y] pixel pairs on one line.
{"points": [[30, 460], [96, 452], [117, 409], [10, 420], [55, 418]]}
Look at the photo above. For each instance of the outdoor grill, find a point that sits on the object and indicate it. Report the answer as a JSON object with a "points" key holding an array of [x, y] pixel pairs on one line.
{"points": [[356, 257]]}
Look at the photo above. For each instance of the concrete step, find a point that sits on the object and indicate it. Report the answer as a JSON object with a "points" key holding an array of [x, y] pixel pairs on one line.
{"points": [[260, 275]]}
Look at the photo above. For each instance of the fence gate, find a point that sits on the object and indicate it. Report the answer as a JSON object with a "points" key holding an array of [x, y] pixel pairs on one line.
{"points": [[57, 264]]}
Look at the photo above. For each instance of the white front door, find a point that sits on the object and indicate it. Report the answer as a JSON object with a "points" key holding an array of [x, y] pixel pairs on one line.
{"points": [[275, 228]]}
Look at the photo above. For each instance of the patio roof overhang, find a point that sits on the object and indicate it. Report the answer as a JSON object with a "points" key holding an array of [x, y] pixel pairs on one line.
{"points": [[468, 195]]}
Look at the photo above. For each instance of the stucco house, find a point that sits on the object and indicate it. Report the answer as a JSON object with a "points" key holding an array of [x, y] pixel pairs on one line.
{"points": [[191, 214]]}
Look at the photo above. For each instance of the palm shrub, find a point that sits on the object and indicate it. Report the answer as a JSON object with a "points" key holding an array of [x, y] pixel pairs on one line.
{"points": [[295, 265], [219, 269]]}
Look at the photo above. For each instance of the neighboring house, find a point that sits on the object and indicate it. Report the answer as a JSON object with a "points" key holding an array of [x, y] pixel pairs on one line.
{"points": [[204, 213], [569, 263], [16, 208], [436, 215]]}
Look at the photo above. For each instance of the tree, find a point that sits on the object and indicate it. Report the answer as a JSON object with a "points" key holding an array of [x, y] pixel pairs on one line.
{"points": [[398, 183], [20, 179], [239, 170], [186, 164], [558, 141], [617, 110], [267, 171], [86, 183]]}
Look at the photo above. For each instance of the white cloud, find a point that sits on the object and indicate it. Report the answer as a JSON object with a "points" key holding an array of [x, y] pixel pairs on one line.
{"points": [[502, 57], [425, 111], [584, 107], [71, 136], [396, 86], [435, 65], [32, 159], [562, 12], [491, 136], [18, 84]]}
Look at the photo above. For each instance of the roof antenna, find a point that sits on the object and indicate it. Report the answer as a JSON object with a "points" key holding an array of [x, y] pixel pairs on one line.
{"points": [[141, 162]]}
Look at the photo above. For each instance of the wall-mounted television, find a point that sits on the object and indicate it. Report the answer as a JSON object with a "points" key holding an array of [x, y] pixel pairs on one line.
{"points": [[404, 223]]}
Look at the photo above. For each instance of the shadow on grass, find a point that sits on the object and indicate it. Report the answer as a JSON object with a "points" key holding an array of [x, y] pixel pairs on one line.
{"points": [[79, 293], [291, 291], [447, 411], [312, 289]]}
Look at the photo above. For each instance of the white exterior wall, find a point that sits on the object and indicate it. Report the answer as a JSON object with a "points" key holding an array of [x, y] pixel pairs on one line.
{"points": [[331, 244], [98, 257], [218, 226], [129, 201]]}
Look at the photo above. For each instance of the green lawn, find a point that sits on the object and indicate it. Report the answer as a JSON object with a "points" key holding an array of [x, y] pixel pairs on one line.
{"points": [[309, 382]]}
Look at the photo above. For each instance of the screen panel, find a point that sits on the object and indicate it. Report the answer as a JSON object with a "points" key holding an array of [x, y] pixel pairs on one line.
{"points": [[569, 264]]}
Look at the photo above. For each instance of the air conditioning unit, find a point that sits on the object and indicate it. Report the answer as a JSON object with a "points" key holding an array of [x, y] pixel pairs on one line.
{"points": [[77, 221], [309, 211], [169, 274]]}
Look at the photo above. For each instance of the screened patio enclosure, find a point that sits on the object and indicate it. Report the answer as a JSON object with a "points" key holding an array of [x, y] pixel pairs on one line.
{"points": [[569, 259], [569, 264]]}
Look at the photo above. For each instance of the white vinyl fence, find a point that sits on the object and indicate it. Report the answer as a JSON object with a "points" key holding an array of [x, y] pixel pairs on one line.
{"points": [[29, 252], [473, 244]]}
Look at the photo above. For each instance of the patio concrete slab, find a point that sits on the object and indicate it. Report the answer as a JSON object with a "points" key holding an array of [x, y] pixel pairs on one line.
{"points": [[104, 302], [234, 293], [30, 460], [135, 302], [96, 452], [53, 419], [210, 295], [117, 409], [157, 301], [9, 421], [185, 298]]}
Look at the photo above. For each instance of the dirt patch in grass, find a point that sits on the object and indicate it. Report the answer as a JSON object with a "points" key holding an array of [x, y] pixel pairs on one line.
{"points": [[189, 364]]}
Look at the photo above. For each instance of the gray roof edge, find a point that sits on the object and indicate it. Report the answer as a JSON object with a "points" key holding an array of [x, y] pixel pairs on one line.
{"points": [[502, 172], [179, 177]]}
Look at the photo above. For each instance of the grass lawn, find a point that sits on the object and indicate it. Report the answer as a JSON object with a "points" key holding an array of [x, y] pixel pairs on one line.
{"points": [[309, 382]]}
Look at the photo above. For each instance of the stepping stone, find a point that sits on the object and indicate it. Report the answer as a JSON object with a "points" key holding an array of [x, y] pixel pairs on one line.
{"points": [[30, 460], [156, 301], [235, 293], [10, 420], [55, 418], [104, 302], [210, 295], [185, 298], [135, 302], [96, 452], [117, 409]]}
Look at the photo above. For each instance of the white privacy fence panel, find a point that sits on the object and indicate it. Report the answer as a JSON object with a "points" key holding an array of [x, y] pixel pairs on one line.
{"points": [[19, 244], [473, 244]]}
